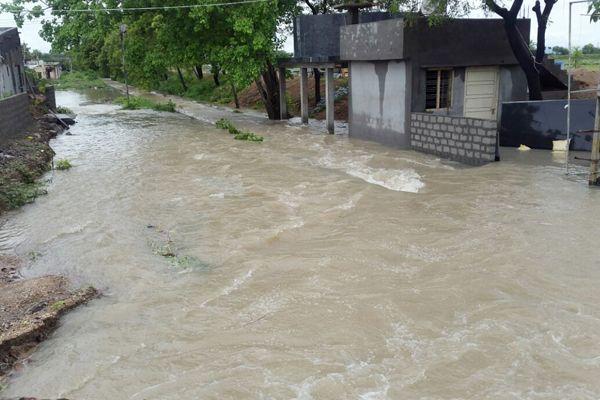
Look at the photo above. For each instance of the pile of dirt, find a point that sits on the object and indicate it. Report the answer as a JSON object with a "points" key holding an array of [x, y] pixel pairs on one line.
{"points": [[587, 80], [30, 309], [250, 98]]}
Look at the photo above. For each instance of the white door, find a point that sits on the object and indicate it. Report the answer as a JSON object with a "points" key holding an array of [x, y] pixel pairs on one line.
{"points": [[481, 92]]}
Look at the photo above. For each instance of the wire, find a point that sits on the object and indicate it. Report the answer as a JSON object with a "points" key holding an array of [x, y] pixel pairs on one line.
{"points": [[90, 10]]}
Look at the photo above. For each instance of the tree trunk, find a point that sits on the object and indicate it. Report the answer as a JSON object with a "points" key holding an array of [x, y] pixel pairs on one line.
{"points": [[542, 20], [519, 47], [215, 73], [235, 96], [317, 74], [183, 85], [198, 72], [269, 92], [526, 61]]}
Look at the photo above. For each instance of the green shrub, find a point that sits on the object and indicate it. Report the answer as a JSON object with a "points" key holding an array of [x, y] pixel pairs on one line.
{"points": [[224, 123], [138, 103], [63, 110], [63, 164], [249, 136], [80, 80], [16, 194], [169, 106]]}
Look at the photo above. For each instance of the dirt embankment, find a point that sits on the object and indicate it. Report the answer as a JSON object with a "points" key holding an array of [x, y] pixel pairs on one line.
{"points": [[587, 80], [29, 308], [250, 98]]}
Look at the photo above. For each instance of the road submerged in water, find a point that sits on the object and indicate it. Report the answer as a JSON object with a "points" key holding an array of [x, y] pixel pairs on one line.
{"points": [[307, 266]]}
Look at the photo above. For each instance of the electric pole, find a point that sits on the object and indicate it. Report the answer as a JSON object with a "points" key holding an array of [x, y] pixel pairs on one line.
{"points": [[123, 29]]}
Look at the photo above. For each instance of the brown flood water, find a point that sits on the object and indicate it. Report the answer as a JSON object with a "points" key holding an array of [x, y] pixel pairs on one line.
{"points": [[312, 267]]}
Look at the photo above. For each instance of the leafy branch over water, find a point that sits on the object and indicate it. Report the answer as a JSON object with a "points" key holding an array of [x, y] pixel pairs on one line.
{"points": [[224, 123]]}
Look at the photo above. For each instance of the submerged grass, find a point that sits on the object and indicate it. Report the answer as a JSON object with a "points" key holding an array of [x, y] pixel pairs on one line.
{"points": [[62, 164], [166, 249], [138, 103], [15, 194], [227, 125]]}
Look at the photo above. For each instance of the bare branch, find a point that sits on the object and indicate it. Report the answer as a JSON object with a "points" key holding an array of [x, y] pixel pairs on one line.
{"points": [[501, 11]]}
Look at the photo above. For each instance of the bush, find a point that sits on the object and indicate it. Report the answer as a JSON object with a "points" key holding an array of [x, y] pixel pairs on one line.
{"points": [[224, 123], [15, 194], [80, 80], [63, 110], [138, 103], [62, 165]]}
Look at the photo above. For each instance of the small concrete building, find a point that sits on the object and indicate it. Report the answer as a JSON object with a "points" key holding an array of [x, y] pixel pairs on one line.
{"points": [[46, 70], [12, 79], [412, 84]]}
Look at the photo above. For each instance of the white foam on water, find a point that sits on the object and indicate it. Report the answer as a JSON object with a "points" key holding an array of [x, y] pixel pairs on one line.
{"points": [[399, 180]]}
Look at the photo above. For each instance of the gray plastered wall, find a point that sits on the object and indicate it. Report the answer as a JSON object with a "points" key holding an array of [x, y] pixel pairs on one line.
{"points": [[378, 102]]}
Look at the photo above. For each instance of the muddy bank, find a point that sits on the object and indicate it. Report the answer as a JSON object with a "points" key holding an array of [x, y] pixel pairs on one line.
{"points": [[29, 308], [24, 159]]}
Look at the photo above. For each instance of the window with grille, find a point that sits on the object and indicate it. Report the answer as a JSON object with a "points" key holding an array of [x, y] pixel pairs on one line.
{"points": [[438, 88]]}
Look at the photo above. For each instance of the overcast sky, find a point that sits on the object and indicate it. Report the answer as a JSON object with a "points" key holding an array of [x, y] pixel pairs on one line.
{"points": [[583, 30]]}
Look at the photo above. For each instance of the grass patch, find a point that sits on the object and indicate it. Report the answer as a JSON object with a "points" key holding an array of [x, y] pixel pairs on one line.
{"points": [[80, 80], [16, 194], [586, 61], [139, 103], [227, 125], [59, 305], [63, 164], [63, 110]]}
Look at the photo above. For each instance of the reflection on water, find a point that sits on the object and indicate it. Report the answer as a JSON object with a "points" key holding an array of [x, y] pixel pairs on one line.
{"points": [[323, 267]]}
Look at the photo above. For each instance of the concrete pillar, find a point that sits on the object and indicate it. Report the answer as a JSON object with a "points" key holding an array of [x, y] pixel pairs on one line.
{"points": [[282, 98], [329, 100], [304, 94]]}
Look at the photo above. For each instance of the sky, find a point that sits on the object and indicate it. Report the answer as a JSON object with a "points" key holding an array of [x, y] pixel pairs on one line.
{"points": [[583, 30]]}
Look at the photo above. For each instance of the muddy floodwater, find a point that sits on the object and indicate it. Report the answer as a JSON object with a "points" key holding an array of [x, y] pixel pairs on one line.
{"points": [[308, 266]]}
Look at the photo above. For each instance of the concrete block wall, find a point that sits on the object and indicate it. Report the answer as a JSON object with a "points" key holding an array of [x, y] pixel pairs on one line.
{"points": [[15, 116], [468, 140]]}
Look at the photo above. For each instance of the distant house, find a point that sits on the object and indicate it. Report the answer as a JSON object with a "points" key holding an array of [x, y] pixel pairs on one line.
{"points": [[12, 79], [46, 70]]}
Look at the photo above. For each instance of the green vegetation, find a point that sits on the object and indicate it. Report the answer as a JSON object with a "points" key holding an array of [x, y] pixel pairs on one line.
{"points": [[79, 80], [16, 194], [586, 61], [59, 305], [63, 110], [227, 125], [62, 165], [138, 103], [204, 90]]}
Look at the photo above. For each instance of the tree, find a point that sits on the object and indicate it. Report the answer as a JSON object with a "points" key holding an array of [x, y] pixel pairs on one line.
{"points": [[542, 17], [518, 45], [561, 51], [594, 10], [590, 49]]}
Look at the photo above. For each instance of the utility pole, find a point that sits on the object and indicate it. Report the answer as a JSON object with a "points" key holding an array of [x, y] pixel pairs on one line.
{"points": [[594, 176], [123, 29]]}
